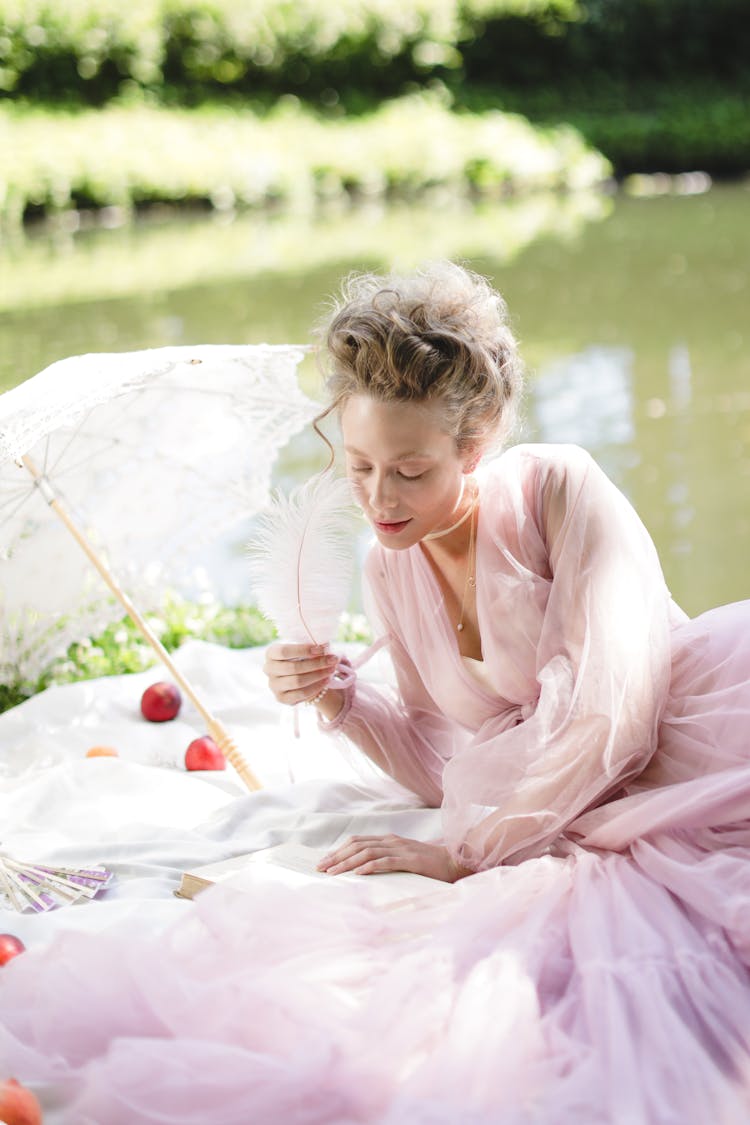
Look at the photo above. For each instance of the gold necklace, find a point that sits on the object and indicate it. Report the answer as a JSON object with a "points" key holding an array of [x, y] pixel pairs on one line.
{"points": [[470, 580]]}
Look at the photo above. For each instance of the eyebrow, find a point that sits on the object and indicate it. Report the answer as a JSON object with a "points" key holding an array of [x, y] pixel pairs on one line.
{"points": [[412, 454]]}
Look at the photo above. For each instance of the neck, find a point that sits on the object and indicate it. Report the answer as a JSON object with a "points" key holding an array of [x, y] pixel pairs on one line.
{"points": [[453, 526], [453, 542], [444, 532]]}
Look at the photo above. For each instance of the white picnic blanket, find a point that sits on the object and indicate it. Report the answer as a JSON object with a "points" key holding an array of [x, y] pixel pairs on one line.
{"points": [[144, 817]]}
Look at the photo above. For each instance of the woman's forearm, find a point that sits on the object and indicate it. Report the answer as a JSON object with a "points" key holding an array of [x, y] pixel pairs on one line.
{"points": [[330, 705]]}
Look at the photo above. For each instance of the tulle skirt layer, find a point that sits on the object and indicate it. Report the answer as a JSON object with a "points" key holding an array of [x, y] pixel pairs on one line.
{"points": [[607, 983], [573, 989]]}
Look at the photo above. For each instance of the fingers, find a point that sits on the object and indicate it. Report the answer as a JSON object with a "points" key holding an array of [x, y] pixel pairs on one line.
{"points": [[303, 694], [376, 866], [293, 689], [299, 667], [297, 672], [371, 855], [289, 650], [367, 855]]}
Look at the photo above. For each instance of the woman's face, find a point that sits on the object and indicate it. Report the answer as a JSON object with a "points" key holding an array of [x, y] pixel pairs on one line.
{"points": [[405, 470]]}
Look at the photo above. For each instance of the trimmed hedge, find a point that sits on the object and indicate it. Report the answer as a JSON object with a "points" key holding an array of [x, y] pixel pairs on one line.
{"points": [[140, 154]]}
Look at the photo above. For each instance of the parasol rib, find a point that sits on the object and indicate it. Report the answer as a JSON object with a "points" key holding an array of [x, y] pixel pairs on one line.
{"points": [[215, 727]]}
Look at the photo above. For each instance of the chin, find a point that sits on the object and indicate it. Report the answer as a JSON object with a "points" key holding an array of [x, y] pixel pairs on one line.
{"points": [[387, 542], [396, 540]]}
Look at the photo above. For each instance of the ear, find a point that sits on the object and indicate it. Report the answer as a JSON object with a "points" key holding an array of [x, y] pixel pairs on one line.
{"points": [[472, 458]]}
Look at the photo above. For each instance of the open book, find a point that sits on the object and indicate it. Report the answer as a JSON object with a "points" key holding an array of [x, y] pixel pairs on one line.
{"points": [[296, 865]]}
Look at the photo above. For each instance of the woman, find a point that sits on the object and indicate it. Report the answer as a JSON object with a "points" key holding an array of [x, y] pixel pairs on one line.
{"points": [[550, 692], [588, 744]]}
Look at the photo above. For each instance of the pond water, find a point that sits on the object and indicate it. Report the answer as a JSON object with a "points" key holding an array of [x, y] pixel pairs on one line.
{"points": [[632, 314]]}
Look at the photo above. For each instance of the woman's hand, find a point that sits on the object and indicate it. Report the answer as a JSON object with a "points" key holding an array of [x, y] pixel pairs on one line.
{"points": [[369, 855], [298, 672]]}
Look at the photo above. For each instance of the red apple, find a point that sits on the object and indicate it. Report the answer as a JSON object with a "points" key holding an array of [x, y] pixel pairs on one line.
{"points": [[10, 946], [161, 702], [204, 754], [18, 1106]]}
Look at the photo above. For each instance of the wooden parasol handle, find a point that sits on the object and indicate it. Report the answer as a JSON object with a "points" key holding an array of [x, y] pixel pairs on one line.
{"points": [[215, 728]]}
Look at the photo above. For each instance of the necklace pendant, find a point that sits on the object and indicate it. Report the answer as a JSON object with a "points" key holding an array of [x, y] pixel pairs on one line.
{"points": [[460, 626]]}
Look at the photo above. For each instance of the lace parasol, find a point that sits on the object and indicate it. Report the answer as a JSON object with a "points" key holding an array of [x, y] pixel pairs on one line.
{"points": [[144, 457]]}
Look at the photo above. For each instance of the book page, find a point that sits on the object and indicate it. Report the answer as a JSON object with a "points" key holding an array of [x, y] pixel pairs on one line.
{"points": [[299, 862], [304, 859]]}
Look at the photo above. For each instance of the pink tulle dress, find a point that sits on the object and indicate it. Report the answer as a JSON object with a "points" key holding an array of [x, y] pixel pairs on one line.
{"points": [[594, 773]]}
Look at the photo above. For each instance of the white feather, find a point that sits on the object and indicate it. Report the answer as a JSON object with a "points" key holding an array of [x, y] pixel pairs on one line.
{"points": [[302, 560]]}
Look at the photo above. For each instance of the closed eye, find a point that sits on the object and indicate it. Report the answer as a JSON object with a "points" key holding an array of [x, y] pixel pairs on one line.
{"points": [[360, 469]]}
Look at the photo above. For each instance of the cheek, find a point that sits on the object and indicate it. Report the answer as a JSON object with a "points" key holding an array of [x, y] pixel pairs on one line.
{"points": [[441, 494]]}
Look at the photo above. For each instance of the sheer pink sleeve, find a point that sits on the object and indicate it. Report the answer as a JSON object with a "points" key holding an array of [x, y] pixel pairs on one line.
{"points": [[602, 669], [401, 729]]}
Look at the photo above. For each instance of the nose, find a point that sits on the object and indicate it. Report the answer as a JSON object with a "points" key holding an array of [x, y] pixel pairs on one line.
{"points": [[383, 497]]}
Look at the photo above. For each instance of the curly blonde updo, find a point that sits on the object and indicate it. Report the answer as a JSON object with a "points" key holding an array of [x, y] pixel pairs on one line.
{"points": [[440, 334]]}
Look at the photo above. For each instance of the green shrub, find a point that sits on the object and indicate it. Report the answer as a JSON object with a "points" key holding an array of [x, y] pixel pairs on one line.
{"points": [[631, 41], [139, 154], [87, 49], [90, 50], [647, 128], [663, 40], [712, 136], [593, 62]]}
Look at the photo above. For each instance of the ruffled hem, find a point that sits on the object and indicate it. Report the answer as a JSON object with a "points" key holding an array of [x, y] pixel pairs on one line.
{"points": [[559, 991]]}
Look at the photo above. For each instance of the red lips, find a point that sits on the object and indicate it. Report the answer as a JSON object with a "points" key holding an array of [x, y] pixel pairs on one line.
{"points": [[391, 528]]}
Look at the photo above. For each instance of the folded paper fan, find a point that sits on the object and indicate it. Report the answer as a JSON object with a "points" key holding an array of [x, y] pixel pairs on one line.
{"points": [[39, 887]]}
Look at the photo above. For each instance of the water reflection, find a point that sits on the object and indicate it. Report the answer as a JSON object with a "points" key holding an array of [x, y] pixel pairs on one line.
{"points": [[680, 376], [587, 399], [147, 285], [632, 316]]}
